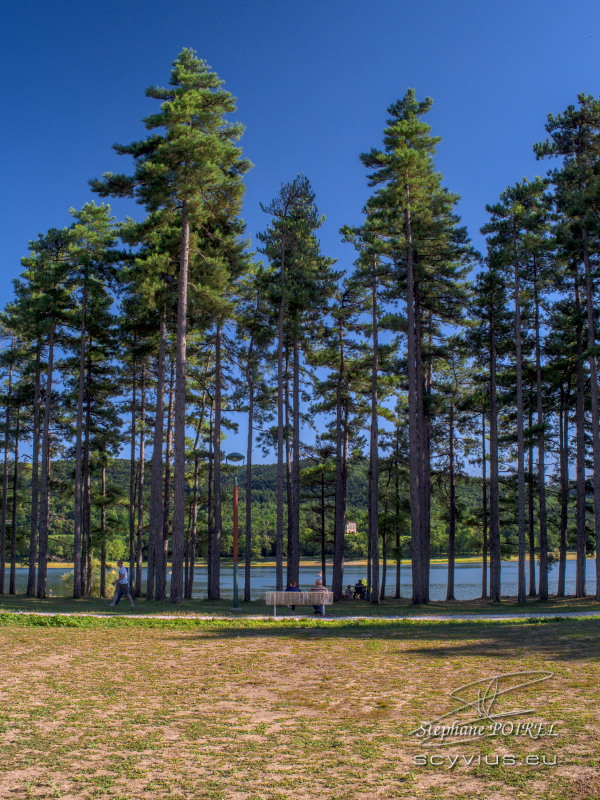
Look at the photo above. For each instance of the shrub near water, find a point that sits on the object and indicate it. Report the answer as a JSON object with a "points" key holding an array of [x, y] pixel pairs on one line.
{"points": [[66, 580]]}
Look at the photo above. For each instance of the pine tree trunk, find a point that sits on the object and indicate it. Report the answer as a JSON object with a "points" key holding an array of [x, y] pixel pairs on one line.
{"points": [[541, 445], [103, 532], [180, 406], [280, 425], [215, 577], [323, 532], [425, 388], [86, 555], [3, 537], [186, 554], [452, 514], [288, 454], [383, 554], [45, 478], [522, 589], [78, 511], [369, 559], [155, 537], [580, 588], [293, 552], [209, 498], [563, 439], [35, 477], [193, 532], [161, 574], [88, 528], [495, 564], [397, 593], [339, 528], [594, 401], [132, 469], [418, 588], [140, 490], [531, 520], [484, 510], [248, 553], [383, 560], [193, 527], [13, 532], [345, 458], [374, 452]]}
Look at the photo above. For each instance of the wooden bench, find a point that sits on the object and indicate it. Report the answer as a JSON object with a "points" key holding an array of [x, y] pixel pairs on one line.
{"points": [[298, 599]]}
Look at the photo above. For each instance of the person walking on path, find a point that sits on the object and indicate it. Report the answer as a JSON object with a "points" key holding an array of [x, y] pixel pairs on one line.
{"points": [[122, 585]]}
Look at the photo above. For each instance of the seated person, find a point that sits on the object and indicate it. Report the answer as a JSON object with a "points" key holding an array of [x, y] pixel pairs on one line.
{"points": [[360, 590], [319, 587], [292, 587]]}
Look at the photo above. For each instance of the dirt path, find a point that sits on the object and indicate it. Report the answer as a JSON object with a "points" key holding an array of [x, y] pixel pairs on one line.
{"points": [[328, 618]]}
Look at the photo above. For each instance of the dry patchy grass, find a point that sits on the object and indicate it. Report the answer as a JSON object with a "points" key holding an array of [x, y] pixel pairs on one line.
{"points": [[273, 711]]}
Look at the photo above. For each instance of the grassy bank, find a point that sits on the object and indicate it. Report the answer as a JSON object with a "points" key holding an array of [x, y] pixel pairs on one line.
{"points": [[342, 609]]}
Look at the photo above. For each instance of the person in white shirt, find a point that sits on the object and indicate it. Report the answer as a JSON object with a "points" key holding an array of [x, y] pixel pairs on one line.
{"points": [[122, 585], [319, 587]]}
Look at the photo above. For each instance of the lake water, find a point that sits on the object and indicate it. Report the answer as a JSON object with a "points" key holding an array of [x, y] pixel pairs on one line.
{"points": [[467, 579]]}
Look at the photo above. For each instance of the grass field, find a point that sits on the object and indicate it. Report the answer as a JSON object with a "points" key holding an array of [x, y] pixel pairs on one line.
{"points": [[291, 709]]}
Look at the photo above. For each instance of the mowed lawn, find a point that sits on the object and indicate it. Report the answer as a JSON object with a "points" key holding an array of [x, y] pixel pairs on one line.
{"points": [[284, 710]]}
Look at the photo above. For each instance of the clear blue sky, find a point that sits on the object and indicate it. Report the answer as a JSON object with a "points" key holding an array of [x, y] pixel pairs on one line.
{"points": [[313, 80]]}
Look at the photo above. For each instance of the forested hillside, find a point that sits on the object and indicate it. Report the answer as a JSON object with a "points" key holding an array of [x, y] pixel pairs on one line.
{"points": [[264, 491]]}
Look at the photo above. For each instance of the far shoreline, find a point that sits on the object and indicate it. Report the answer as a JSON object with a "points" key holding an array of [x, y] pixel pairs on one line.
{"points": [[316, 562]]}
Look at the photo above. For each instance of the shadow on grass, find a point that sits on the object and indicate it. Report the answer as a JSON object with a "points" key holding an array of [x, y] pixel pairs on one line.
{"points": [[562, 640], [552, 637]]}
